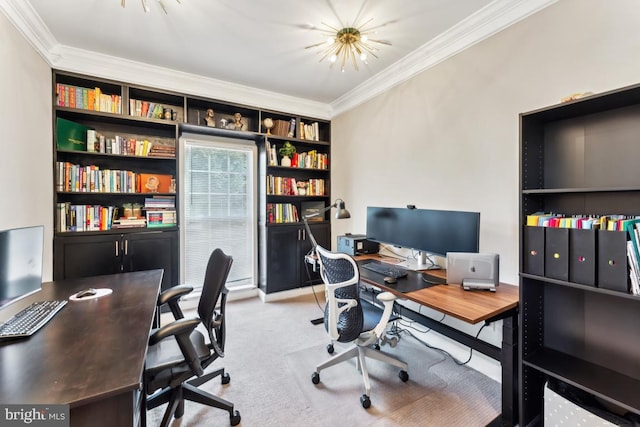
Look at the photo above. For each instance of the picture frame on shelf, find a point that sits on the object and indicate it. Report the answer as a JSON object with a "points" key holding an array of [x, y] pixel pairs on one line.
{"points": [[312, 207]]}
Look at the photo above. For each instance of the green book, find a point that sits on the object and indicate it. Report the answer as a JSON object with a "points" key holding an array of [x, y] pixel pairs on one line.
{"points": [[71, 135]]}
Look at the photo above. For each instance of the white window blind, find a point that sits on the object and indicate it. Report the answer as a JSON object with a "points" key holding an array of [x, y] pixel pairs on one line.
{"points": [[218, 190]]}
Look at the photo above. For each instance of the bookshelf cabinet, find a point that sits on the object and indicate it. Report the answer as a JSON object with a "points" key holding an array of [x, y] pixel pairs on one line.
{"points": [[106, 145], [287, 193], [579, 158]]}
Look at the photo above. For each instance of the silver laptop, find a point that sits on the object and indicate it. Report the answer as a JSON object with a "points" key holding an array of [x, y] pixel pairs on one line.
{"points": [[473, 270]]}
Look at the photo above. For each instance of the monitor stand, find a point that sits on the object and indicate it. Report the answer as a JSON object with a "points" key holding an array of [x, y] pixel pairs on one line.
{"points": [[421, 263], [469, 284]]}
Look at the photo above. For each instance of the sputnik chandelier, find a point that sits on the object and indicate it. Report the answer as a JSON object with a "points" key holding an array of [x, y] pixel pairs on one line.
{"points": [[145, 5], [348, 44]]}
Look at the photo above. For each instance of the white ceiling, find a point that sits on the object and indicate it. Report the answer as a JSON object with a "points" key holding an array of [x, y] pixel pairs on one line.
{"points": [[258, 45]]}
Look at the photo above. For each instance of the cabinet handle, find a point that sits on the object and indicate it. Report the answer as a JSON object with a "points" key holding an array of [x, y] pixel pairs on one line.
{"points": [[117, 248], [304, 234], [126, 247]]}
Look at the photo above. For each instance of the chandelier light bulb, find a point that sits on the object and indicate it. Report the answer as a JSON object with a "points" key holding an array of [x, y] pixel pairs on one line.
{"points": [[364, 38], [363, 57], [333, 58], [330, 40]]}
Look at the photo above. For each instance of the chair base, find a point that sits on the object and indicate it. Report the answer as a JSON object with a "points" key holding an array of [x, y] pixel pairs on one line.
{"points": [[362, 353], [190, 391]]}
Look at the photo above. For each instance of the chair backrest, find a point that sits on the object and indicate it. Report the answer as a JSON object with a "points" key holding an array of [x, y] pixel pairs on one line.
{"points": [[343, 316], [215, 277]]}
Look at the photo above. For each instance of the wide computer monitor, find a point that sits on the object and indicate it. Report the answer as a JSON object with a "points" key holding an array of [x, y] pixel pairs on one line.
{"points": [[20, 263], [428, 231]]}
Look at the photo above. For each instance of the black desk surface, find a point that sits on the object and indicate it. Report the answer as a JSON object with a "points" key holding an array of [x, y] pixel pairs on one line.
{"points": [[90, 350], [411, 282]]}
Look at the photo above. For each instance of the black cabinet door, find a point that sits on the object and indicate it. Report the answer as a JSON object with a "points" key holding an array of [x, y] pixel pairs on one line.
{"points": [[152, 250], [85, 256], [283, 259], [322, 234]]}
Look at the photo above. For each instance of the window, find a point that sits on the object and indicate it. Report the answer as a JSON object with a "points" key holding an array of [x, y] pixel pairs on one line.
{"points": [[218, 189]]}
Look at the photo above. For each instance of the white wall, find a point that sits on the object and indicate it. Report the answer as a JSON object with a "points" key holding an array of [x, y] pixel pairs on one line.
{"points": [[26, 153], [448, 138]]}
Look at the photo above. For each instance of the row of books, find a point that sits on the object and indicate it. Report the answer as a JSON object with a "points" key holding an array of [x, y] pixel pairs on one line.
{"points": [[84, 217], [88, 99], [139, 108], [599, 222], [279, 213], [310, 159], [98, 143], [77, 178], [309, 131], [285, 186]]}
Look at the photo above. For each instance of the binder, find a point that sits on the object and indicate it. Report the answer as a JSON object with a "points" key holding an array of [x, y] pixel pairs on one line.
{"points": [[556, 250], [613, 272], [533, 250], [582, 253]]}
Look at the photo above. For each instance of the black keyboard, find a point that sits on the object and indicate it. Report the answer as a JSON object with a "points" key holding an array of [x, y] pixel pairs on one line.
{"points": [[28, 320], [385, 269]]}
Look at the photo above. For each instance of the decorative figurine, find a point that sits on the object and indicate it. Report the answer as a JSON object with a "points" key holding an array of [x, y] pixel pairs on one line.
{"points": [[209, 120], [268, 124], [237, 122]]}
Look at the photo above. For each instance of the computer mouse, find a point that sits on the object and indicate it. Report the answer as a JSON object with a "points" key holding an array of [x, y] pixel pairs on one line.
{"points": [[390, 280], [86, 293]]}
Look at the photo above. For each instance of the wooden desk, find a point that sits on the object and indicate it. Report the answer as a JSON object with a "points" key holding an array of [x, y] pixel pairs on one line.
{"points": [[90, 355], [470, 306]]}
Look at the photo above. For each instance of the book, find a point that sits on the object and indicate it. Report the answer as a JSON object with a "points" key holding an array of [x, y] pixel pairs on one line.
{"points": [[71, 135], [155, 183]]}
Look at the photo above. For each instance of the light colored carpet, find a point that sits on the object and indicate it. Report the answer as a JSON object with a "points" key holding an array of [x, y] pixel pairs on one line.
{"points": [[272, 350]]}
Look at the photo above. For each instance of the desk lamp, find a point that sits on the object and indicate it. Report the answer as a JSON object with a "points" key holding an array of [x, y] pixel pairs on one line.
{"points": [[340, 214]]}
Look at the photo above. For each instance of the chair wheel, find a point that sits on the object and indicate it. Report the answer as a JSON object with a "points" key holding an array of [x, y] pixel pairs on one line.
{"points": [[365, 401], [225, 378], [234, 418], [404, 376], [330, 349], [315, 378]]}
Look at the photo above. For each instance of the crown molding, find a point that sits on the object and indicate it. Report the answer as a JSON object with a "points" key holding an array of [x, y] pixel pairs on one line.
{"points": [[65, 58], [490, 20]]}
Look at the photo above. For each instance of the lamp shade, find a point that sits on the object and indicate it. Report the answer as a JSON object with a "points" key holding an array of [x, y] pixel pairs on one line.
{"points": [[342, 212]]}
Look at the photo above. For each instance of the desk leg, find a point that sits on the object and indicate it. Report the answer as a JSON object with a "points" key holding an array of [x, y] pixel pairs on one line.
{"points": [[509, 356]]}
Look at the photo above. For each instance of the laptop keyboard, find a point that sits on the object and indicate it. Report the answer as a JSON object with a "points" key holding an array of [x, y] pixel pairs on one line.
{"points": [[30, 319]]}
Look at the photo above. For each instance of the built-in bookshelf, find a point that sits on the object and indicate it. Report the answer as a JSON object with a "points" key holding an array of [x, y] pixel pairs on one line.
{"points": [[116, 177], [109, 160], [289, 187]]}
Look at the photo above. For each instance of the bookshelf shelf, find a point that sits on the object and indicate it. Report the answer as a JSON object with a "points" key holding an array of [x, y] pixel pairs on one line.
{"points": [[578, 334]]}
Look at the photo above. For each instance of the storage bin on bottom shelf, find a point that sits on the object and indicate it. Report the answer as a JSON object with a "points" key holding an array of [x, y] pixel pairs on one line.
{"points": [[560, 410], [589, 257]]}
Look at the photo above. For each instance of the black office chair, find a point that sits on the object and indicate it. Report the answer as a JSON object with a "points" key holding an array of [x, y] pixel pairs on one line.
{"points": [[175, 367], [348, 318]]}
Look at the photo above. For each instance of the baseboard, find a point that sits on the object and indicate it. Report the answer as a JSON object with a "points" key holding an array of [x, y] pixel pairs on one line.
{"points": [[292, 293]]}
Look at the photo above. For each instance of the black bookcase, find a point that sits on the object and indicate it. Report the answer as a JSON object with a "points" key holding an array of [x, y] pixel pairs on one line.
{"points": [[579, 158]]}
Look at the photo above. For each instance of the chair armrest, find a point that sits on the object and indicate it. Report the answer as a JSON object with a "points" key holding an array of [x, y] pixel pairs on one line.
{"points": [[181, 329], [172, 296], [387, 299], [175, 328]]}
